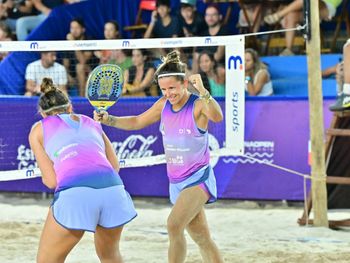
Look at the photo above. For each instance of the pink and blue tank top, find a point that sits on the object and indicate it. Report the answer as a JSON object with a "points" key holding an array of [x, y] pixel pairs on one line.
{"points": [[186, 146], [77, 151]]}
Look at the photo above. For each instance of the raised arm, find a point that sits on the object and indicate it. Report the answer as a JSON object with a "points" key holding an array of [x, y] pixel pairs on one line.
{"points": [[207, 106], [138, 122]]}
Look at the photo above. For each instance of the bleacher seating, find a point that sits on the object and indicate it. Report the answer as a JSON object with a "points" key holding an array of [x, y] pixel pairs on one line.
{"points": [[289, 74]]}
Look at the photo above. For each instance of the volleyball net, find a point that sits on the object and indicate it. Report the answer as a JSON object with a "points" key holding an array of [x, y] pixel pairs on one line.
{"points": [[68, 55]]}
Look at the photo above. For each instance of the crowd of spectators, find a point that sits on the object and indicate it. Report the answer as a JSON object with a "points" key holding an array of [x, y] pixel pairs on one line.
{"points": [[20, 17]]}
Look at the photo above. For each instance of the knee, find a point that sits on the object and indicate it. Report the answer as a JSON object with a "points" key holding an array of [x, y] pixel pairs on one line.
{"points": [[200, 239], [106, 254], [174, 227]]}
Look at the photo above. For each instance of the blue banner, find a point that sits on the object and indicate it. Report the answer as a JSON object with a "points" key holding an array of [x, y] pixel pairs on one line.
{"points": [[277, 132]]}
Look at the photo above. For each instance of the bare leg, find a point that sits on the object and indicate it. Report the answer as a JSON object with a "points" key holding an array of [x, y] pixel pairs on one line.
{"points": [[290, 21], [56, 241], [189, 203], [296, 5], [107, 244], [199, 232], [346, 57]]}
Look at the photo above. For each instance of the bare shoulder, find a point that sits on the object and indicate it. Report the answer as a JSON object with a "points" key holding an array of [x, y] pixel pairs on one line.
{"points": [[36, 130]]}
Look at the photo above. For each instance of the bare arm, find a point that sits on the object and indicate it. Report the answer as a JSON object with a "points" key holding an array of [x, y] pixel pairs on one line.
{"points": [[41, 7], [32, 87], [45, 164], [150, 27], [146, 82], [207, 107], [110, 153], [138, 122], [255, 88]]}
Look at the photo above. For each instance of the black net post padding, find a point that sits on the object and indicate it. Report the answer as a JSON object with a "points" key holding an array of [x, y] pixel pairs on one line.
{"points": [[307, 21]]}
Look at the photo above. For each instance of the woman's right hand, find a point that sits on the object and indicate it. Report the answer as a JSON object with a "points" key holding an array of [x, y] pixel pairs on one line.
{"points": [[101, 116]]}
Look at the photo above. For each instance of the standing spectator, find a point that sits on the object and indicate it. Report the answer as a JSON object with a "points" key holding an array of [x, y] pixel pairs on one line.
{"points": [[78, 63], [213, 77], [257, 78], [25, 25], [138, 79], [163, 25], [45, 67], [213, 19]]}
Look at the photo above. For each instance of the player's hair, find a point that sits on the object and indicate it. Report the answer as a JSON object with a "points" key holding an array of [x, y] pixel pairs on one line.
{"points": [[171, 65], [52, 99]]}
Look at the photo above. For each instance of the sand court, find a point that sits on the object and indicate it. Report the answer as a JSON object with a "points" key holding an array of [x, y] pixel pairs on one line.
{"points": [[244, 232]]}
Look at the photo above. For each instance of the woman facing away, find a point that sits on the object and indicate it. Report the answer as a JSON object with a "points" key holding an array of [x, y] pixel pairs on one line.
{"points": [[257, 77], [184, 119], [77, 160]]}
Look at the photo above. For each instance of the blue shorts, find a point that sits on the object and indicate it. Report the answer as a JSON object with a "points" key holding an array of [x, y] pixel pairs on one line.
{"points": [[84, 208], [204, 177]]}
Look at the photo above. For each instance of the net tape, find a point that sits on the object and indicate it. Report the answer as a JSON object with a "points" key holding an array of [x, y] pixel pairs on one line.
{"points": [[124, 163]]}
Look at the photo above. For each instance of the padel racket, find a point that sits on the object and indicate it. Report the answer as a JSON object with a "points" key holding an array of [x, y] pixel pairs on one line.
{"points": [[104, 86]]}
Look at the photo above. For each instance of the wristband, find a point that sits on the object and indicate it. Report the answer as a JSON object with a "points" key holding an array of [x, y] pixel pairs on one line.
{"points": [[247, 79], [206, 97]]}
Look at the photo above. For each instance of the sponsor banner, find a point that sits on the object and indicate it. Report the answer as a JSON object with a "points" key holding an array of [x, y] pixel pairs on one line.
{"points": [[61, 45], [272, 134], [235, 97]]}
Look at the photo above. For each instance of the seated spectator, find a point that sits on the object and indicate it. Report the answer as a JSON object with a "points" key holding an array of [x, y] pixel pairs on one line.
{"points": [[13, 10], [343, 81], [5, 35], [78, 63], [110, 31], [257, 78], [25, 25], [213, 76], [191, 22], [162, 24], [213, 19], [45, 67], [255, 13], [291, 15], [138, 79], [117, 56]]}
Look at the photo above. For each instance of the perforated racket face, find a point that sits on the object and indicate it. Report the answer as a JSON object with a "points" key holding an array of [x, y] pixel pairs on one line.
{"points": [[104, 86]]}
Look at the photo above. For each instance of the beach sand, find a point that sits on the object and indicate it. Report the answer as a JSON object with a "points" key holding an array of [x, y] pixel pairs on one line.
{"points": [[244, 232]]}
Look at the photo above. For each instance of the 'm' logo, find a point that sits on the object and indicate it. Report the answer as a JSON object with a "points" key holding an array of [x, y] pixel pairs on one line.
{"points": [[207, 40], [236, 60], [34, 45], [30, 173], [126, 43]]}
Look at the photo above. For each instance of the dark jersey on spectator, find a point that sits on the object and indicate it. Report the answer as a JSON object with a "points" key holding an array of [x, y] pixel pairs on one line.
{"points": [[197, 27], [132, 75], [224, 31], [174, 28]]}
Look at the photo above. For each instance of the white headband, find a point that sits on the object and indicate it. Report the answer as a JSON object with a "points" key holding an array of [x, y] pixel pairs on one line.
{"points": [[171, 74], [56, 108]]}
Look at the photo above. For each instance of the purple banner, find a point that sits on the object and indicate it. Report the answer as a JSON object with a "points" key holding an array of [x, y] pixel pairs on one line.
{"points": [[277, 131]]}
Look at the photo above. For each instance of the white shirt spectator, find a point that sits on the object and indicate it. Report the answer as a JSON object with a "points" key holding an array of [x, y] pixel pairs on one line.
{"points": [[35, 71]]}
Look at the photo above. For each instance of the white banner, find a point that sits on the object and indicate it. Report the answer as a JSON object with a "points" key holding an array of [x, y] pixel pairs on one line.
{"points": [[235, 97], [62, 45]]}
